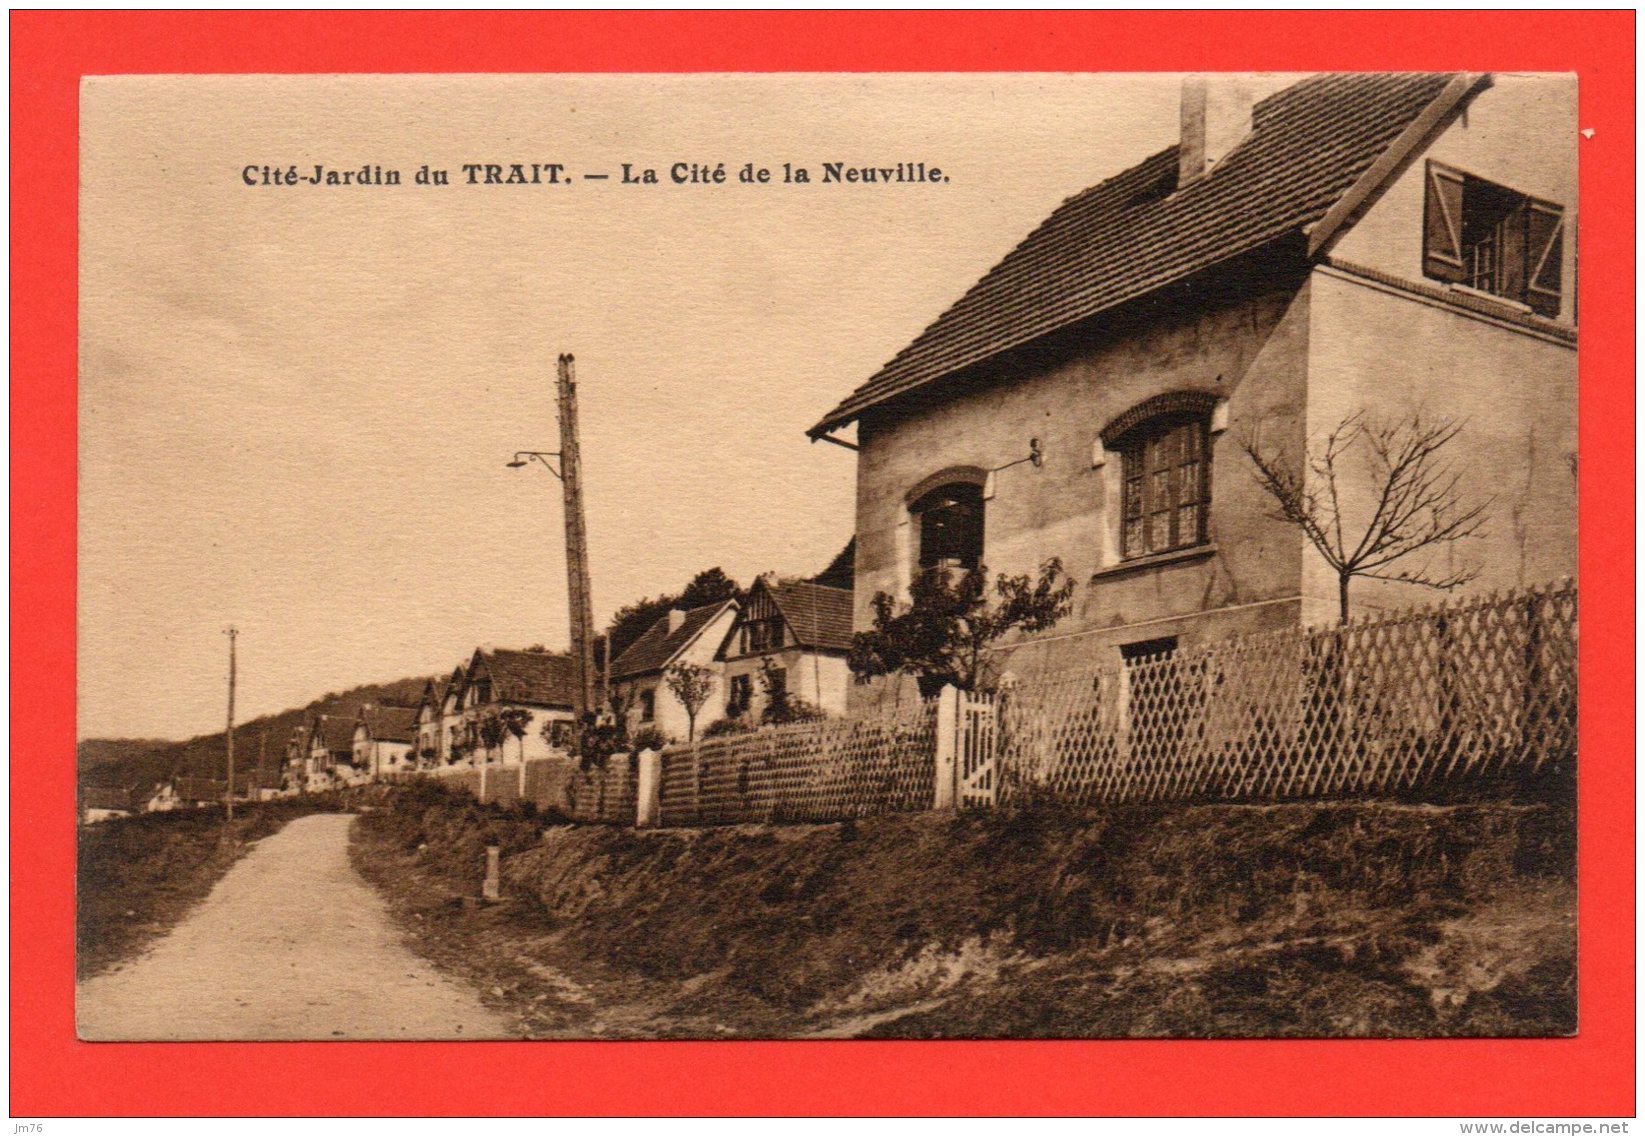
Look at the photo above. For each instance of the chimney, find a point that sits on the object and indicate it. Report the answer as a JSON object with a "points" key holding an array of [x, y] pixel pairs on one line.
{"points": [[676, 617], [1216, 115]]}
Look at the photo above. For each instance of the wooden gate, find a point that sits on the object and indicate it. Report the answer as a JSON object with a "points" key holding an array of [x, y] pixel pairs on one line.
{"points": [[976, 765]]}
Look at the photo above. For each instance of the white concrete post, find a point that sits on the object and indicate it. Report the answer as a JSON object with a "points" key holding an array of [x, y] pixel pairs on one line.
{"points": [[482, 794], [492, 888], [522, 773], [948, 720], [648, 793]]}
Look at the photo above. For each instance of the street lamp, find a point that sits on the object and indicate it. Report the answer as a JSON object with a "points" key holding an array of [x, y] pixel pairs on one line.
{"points": [[523, 458]]}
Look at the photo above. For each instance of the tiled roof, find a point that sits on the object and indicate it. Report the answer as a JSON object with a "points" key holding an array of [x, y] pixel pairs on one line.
{"points": [[1132, 234], [818, 615], [390, 724], [535, 677], [653, 650], [336, 733]]}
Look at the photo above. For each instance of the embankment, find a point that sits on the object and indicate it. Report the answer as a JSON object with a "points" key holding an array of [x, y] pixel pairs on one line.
{"points": [[1308, 919]]}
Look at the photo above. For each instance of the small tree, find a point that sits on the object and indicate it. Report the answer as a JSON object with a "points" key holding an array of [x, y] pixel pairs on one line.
{"points": [[692, 684], [781, 704], [942, 636], [516, 721], [1416, 496], [492, 731]]}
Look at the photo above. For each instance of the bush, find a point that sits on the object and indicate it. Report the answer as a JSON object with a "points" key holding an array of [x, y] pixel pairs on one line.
{"points": [[736, 725], [648, 739], [792, 709]]}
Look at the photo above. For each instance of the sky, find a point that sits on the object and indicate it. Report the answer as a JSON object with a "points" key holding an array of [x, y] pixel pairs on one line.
{"points": [[297, 402]]}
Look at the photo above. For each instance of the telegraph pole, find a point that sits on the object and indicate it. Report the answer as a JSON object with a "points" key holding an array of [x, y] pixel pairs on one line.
{"points": [[570, 473], [228, 796], [576, 541]]}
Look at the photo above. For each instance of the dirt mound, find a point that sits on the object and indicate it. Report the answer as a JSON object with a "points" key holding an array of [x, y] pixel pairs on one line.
{"points": [[1299, 919]]}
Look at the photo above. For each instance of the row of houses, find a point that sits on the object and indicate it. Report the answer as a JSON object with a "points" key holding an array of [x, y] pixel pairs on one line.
{"points": [[1348, 249]]}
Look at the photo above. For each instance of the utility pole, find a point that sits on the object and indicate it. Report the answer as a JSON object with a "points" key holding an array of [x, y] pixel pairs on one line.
{"points": [[228, 796], [576, 541], [570, 473]]}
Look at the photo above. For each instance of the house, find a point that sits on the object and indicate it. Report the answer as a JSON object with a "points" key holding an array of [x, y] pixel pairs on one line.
{"points": [[193, 791], [1382, 244], [533, 690], [297, 759], [639, 675], [451, 716], [331, 753], [791, 637], [104, 803], [161, 798], [383, 738], [425, 749]]}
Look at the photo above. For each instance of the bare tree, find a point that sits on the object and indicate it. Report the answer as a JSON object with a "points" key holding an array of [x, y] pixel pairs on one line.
{"points": [[692, 684], [1419, 500]]}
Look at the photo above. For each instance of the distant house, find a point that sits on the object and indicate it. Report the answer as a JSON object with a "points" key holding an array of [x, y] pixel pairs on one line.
{"points": [[193, 791], [535, 688], [792, 637], [383, 738], [104, 803], [331, 753], [639, 674], [425, 746], [161, 798], [451, 716], [297, 759]]}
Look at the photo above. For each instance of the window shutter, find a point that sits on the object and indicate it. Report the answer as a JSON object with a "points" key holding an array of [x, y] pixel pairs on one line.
{"points": [[1545, 241], [1442, 225], [1515, 243]]}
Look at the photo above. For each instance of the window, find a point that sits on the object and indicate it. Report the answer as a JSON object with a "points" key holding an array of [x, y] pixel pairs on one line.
{"points": [[762, 635], [950, 527], [1166, 485], [776, 686], [648, 705], [742, 693], [1494, 239]]}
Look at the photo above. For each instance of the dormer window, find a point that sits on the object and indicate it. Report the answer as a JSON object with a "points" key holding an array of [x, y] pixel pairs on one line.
{"points": [[1493, 239]]}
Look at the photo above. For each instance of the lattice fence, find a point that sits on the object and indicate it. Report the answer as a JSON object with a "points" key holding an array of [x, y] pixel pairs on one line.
{"points": [[1477, 690], [814, 771]]}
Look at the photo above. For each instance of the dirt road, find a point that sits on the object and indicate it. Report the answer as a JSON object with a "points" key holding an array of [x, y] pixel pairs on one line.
{"points": [[291, 944]]}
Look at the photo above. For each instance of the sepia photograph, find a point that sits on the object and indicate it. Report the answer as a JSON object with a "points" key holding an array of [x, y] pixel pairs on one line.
{"points": [[924, 556]]}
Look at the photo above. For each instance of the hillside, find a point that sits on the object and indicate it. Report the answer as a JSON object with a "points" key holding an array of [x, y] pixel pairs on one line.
{"points": [[127, 762]]}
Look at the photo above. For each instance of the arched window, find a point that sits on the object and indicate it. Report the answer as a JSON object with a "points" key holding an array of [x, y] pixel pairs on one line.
{"points": [[1165, 454], [950, 520]]}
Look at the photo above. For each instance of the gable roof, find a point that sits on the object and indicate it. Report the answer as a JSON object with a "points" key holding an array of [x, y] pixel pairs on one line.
{"points": [[658, 646], [538, 678], [1309, 147], [334, 732], [817, 614], [389, 724]]}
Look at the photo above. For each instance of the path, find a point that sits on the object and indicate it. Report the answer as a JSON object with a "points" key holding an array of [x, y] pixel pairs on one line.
{"points": [[291, 944]]}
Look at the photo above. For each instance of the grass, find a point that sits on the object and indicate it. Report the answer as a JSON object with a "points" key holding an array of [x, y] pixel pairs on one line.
{"points": [[1306, 919]]}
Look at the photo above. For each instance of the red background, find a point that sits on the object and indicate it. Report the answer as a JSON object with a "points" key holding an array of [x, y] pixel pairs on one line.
{"points": [[53, 1074]]}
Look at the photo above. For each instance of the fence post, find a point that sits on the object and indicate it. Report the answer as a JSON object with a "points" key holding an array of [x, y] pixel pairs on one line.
{"points": [[483, 768], [491, 889], [948, 717], [522, 772], [648, 793]]}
